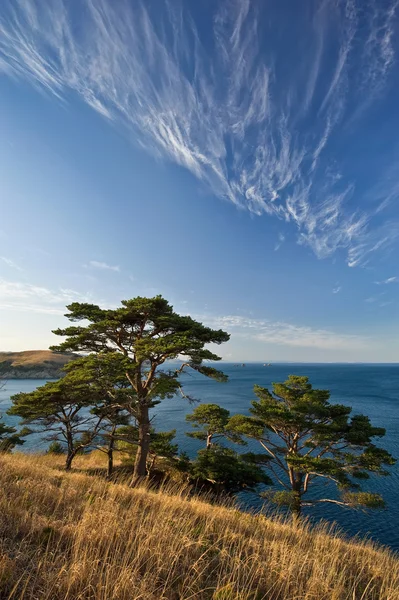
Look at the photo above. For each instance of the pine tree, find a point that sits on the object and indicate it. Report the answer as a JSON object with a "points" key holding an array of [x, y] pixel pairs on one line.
{"points": [[64, 410], [9, 436], [226, 470], [306, 439], [210, 423], [146, 333]]}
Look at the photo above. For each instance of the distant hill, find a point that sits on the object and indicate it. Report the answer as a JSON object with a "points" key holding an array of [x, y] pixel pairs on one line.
{"points": [[33, 364]]}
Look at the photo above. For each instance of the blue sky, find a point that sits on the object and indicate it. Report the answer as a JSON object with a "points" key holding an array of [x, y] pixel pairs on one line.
{"points": [[241, 158]]}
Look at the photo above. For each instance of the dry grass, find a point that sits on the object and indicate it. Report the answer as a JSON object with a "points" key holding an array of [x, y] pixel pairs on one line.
{"points": [[74, 536], [35, 358]]}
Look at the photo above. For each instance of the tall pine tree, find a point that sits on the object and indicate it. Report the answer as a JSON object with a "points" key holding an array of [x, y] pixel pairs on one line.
{"points": [[146, 332]]}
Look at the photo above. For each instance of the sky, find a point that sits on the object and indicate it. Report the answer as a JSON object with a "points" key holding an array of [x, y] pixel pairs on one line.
{"points": [[240, 158]]}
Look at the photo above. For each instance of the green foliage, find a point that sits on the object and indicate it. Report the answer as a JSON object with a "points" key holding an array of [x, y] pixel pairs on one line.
{"points": [[50, 403], [55, 448], [210, 421], [85, 441], [105, 374], [246, 426], [9, 437], [281, 498], [212, 416], [227, 470], [183, 463], [222, 467], [363, 499], [306, 439], [143, 329], [161, 444]]}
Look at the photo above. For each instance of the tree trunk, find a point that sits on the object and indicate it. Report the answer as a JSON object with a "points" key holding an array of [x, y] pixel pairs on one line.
{"points": [[68, 462], [71, 451], [143, 448], [297, 501], [296, 506], [208, 441], [152, 464], [110, 453]]}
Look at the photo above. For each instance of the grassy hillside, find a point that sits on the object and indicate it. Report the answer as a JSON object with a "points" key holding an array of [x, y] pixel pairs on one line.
{"points": [[33, 364], [74, 536]]}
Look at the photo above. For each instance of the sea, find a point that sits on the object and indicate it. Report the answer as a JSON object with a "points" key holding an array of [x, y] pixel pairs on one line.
{"points": [[370, 389]]}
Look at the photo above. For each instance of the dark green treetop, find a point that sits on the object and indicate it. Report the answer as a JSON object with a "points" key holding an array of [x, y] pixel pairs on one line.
{"points": [[226, 470], [146, 331]]}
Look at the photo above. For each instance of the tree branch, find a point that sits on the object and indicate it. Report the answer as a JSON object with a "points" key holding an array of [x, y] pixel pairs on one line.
{"points": [[278, 461]]}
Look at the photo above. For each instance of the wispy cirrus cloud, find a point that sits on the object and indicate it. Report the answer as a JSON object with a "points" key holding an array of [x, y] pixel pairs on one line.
{"points": [[287, 334], [280, 242], [379, 300], [10, 263], [388, 280], [379, 47], [16, 295], [234, 118], [95, 264]]}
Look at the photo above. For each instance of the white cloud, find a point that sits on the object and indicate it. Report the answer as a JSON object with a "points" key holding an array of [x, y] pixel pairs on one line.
{"points": [[32, 298], [281, 240], [102, 265], [337, 289], [287, 334], [389, 280], [10, 263], [26, 297], [379, 239], [226, 121], [376, 298], [379, 47]]}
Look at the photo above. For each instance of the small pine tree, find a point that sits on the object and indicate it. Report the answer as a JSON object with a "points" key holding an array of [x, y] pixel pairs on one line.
{"points": [[9, 438], [210, 422], [55, 448], [226, 470], [308, 439], [64, 410]]}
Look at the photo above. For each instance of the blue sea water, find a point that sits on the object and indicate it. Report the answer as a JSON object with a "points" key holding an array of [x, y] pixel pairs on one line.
{"points": [[369, 389]]}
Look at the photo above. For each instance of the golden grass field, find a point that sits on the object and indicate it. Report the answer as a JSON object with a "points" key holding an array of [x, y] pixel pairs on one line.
{"points": [[35, 358], [75, 536]]}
